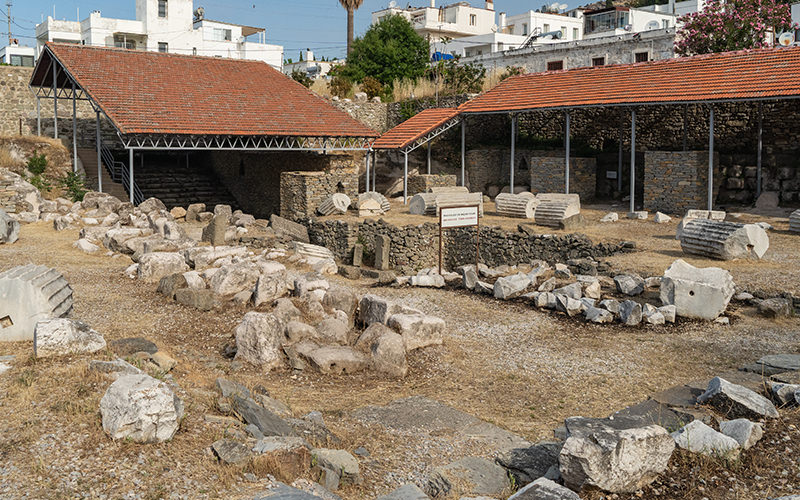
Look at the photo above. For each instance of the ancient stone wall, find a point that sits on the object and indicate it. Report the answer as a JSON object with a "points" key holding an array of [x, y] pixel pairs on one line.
{"points": [[254, 179], [374, 115], [676, 181], [547, 175], [302, 192], [415, 247], [423, 182]]}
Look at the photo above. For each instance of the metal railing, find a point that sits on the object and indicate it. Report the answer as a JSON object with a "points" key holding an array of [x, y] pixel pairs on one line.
{"points": [[119, 173]]}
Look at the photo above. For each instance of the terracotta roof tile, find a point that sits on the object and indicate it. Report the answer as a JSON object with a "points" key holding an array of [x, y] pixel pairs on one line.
{"points": [[415, 128], [739, 75], [153, 93]]}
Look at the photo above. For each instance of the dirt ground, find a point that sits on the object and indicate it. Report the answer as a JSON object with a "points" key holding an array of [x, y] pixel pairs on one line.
{"points": [[506, 363]]}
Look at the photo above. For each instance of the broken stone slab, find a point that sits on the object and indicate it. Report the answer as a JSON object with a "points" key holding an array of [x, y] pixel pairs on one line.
{"points": [[258, 340], [651, 412], [418, 330], [568, 305], [284, 228], [735, 401], [478, 476], [140, 408], [776, 307], [654, 317], [267, 422], [638, 215], [697, 437], [669, 312], [661, 218], [269, 287], [156, 265], [548, 285], [610, 217], [9, 228], [86, 246], [427, 281], [745, 432], [698, 293], [617, 461], [544, 489], [531, 463], [784, 394], [338, 360], [374, 309], [114, 368], [62, 336], [610, 305], [234, 278], [408, 491], [573, 291], [629, 284], [201, 299], [724, 240], [29, 294], [389, 354], [214, 232], [597, 315], [630, 313], [152, 205], [508, 287], [339, 461], [229, 451]]}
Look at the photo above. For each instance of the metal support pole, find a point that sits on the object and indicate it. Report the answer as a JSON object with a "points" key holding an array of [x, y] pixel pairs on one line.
{"points": [[405, 180], [463, 152], [513, 144], [619, 162], [74, 129], [38, 116], [55, 104], [633, 160], [429, 157], [374, 169], [685, 127], [99, 157], [711, 158], [760, 148], [366, 183], [566, 166], [130, 173]]}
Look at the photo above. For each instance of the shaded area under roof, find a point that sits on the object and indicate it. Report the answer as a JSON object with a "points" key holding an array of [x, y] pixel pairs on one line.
{"points": [[743, 75], [153, 93], [415, 128]]}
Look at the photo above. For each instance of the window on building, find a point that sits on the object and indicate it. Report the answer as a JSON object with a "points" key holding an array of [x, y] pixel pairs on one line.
{"points": [[555, 65], [194, 51], [162, 8], [121, 42], [564, 32], [524, 29], [473, 19], [221, 35], [641, 57], [599, 61], [163, 47], [546, 28], [665, 23], [20, 60]]}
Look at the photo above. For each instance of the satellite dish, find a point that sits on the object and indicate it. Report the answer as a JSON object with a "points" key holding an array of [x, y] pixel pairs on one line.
{"points": [[652, 25], [392, 4], [494, 28], [563, 6], [786, 39]]}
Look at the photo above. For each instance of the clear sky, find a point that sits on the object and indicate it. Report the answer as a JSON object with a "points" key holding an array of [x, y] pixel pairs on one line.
{"points": [[320, 25]]}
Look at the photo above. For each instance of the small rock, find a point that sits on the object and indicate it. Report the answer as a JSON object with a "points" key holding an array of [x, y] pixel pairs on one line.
{"points": [[661, 218], [697, 437], [745, 432], [231, 452], [735, 401]]}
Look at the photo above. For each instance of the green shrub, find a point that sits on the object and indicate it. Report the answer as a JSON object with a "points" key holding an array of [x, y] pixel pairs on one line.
{"points": [[40, 182], [75, 186], [372, 87], [302, 78], [37, 164], [341, 86]]}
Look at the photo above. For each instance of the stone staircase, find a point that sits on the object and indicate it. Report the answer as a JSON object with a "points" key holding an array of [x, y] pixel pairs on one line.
{"points": [[88, 158], [181, 186]]}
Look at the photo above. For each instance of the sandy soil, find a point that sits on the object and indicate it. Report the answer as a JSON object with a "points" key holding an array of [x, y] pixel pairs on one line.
{"points": [[506, 363]]}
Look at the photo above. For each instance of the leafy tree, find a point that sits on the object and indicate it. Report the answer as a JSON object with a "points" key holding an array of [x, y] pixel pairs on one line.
{"points": [[341, 86], [372, 87], [732, 25], [303, 78], [350, 6], [458, 78], [388, 51]]}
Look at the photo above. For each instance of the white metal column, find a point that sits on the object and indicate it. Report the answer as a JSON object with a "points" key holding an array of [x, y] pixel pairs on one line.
{"points": [[513, 144], [99, 156], [633, 160], [38, 116], [74, 129], [619, 162], [429, 157], [463, 152], [711, 158], [366, 180], [55, 104], [130, 173], [760, 148], [405, 180], [566, 166], [374, 169]]}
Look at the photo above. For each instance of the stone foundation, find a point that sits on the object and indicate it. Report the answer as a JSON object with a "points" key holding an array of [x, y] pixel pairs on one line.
{"points": [[547, 175], [302, 192], [422, 183], [676, 181]]}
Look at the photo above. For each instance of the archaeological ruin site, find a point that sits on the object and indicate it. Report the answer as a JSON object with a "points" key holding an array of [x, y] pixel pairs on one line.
{"points": [[580, 284]]}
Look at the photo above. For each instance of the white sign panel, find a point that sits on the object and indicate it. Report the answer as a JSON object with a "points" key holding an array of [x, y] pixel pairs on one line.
{"points": [[459, 216]]}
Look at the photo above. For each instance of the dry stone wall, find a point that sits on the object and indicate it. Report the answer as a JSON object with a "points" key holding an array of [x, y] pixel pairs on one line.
{"points": [[302, 192], [547, 175], [423, 182], [676, 181]]}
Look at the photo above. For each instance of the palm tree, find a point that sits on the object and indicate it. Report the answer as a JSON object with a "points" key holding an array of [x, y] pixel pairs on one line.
{"points": [[351, 6]]}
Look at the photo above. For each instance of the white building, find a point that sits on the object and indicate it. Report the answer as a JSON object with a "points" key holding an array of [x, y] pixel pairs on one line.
{"points": [[453, 21], [622, 20], [165, 26], [18, 55], [310, 66], [677, 8], [533, 23]]}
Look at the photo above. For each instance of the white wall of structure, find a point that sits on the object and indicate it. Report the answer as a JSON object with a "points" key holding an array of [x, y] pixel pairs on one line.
{"points": [[524, 24], [631, 21], [677, 8], [310, 66], [483, 44], [454, 21], [18, 55], [796, 12], [163, 25]]}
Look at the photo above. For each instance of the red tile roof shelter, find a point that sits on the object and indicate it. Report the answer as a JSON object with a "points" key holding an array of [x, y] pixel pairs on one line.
{"points": [[752, 75]]}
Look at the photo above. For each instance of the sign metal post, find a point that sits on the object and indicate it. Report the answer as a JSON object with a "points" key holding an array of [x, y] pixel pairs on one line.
{"points": [[461, 216]]}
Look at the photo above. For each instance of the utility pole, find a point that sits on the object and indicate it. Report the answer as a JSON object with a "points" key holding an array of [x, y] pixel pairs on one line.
{"points": [[8, 15]]}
